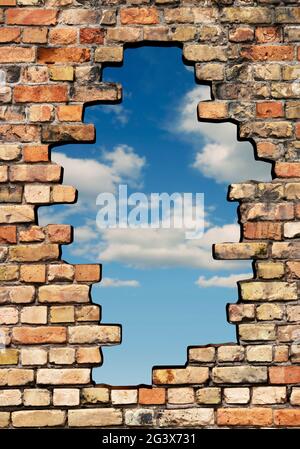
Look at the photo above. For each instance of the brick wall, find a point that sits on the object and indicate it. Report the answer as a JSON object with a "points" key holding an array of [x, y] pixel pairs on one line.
{"points": [[51, 56]]}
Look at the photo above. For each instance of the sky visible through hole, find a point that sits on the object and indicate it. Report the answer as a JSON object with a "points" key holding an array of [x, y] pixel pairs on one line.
{"points": [[166, 291]]}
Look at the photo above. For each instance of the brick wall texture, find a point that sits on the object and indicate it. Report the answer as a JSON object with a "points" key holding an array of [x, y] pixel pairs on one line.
{"points": [[51, 56]]}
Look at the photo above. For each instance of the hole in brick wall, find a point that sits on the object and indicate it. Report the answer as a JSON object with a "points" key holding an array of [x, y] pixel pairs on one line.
{"points": [[166, 292]]}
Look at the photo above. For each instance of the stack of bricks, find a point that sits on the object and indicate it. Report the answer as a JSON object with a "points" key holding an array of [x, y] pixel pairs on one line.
{"points": [[51, 56]]}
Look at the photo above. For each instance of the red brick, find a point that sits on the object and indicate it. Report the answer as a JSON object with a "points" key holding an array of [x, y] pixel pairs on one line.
{"points": [[36, 153], [54, 55], [59, 233], [91, 36], [284, 374], [297, 130], [287, 417], [8, 234], [10, 35], [244, 417], [263, 230], [267, 34], [39, 335], [17, 54], [88, 273], [287, 170], [269, 53], [40, 94], [269, 109], [31, 16], [139, 16], [152, 396]]}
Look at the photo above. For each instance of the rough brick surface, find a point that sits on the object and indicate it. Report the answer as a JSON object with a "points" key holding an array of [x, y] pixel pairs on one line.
{"points": [[52, 54]]}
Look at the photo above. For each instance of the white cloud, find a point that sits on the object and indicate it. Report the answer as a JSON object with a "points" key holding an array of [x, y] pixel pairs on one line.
{"points": [[222, 157], [166, 247], [117, 283], [222, 281]]}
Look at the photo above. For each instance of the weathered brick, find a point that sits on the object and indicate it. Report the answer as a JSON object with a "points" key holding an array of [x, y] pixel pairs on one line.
{"points": [[66, 396], [184, 395], [270, 270], [286, 250], [91, 35], [9, 356], [17, 54], [63, 36], [271, 291], [139, 16], [190, 417], [9, 272], [63, 293], [269, 53], [95, 417], [67, 133], [36, 35], [236, 395], [62, 356], [17, 294], [16, 214], [59, 233], [270, 109], [70, 113], [31, 16], [8, 315], [37, 194], [267, 312], [38, 335], [208, 395], [40, 94], [94, 334], [33, 273], [60, 272], [38, 418], [66, 376], [240, 250], [95, 395], [88, 313], [31, 234], [36, 397], [244, 14], [204, 53], [36, 153], [262, 230], [239, 374], [152, 396], [109, 54], [61, 55], [33, 357], [10, 398], [244, 417], [9, 152], [188, 375], [35, 173], [60, 314], [284, 374], [61, 73], [257, 332], [90, 355], [33, 253], [122, 396], [202, 354]]}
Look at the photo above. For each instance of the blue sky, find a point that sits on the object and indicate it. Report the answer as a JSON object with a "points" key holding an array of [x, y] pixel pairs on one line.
{"points": [[166, 291]]}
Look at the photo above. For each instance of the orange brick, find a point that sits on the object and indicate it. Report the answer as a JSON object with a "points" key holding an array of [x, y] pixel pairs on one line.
{"points": [[267, 34], [37, 35], [8, 234], [32, 234], [33, 273], [139, 16], [10, 34], [36, 153], [284, 374], [263, 230], [88, 355], [54, 55], [267, 149], [40, 113], [269, 53], [31, 16], [287, 417], [152, 396], [40, 94], [39, 335], [241, 34], [8, 2], [69, 113], [287, 170], [88, 273], [17, 54], [212, 110], [269, 109], [63, 36], [60, 233], [244, 417]]}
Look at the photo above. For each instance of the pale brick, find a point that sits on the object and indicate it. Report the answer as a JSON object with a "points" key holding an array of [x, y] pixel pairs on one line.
{"points": [[204, 354], [66, 396], [269, 395], [94, 334], [199, 417], [39, 418], [236, 395], [36, 397], [63, 293], [188, 375], [62, 314], [240, 374], [10, 397], [95, 417], [181, 395], [62, 356], [124, 397], [230, 353], [34, 315], [34, 356], [208, 395], [63, 376], [259, 353]]}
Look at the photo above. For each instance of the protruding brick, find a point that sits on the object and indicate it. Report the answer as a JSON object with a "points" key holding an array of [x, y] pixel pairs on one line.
{"points": [[68, 376], [188, 375], [63, 293]]}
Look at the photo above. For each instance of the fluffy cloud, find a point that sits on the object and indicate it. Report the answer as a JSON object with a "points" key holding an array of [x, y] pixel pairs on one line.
{"points": [[120, 165], [222, 281], [222, 157], [141, 248], [117, 283]]}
